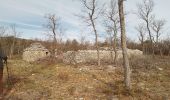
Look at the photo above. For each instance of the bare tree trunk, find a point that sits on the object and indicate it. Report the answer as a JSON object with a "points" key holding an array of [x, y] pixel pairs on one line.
{"points": [[157, 27], [93, 12], [14, 33], [127, 70], [112, 22], [96, 41], [54, 36], [150, 37], [145, 13], [143, 45], [143, 48], [54, 43], [115, 57], [160, 50], [12, 48], [53, 26], [115, 45], [19, 47], [111, 48]]}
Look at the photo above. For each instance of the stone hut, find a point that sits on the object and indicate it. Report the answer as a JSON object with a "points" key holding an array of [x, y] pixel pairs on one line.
{"points": [[35, 52]]}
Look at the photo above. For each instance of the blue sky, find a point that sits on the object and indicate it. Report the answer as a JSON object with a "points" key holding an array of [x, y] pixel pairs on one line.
{"points": [[28, 16]]}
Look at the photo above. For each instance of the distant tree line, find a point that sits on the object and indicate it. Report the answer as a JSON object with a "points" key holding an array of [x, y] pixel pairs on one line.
{"points": [[7, 41]]}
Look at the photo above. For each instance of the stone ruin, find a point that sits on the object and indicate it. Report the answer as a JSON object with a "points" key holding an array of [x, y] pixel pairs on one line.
{"points": [[35, 52], [85, 56]]}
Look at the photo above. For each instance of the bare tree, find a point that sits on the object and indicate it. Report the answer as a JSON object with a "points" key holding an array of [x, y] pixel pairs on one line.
{"points": [[2, 31], [52, 26], [14, 35], [157, 27], [83, 38], [142, 35], [110, 41], [127, 70], [2, 34], [112, 24], [145, 11], [61, 34], [92, 12]]}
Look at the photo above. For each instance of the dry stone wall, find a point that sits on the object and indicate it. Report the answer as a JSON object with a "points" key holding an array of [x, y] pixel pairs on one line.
{"points": [[84, 56]]}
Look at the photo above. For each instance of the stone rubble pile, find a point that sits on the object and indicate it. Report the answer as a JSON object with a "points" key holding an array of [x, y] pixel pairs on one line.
{"points": [[85, 56]]}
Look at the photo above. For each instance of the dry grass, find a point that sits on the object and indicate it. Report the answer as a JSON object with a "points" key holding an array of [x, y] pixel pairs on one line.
{"points": [[32, 81]]}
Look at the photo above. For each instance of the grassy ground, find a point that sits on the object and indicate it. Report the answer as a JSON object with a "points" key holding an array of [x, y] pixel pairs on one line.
{"points": [[42, 81]]}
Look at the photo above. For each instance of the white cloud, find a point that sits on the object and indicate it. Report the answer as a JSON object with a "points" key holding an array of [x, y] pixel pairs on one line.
{"points": [[29, 15]]}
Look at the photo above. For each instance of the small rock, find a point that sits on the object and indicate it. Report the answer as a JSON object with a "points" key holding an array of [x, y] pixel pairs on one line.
{"points": [[160, 69], [81, 98], [141, 85], [80, 69], [147, 89], [114, 98], [110, 68]]}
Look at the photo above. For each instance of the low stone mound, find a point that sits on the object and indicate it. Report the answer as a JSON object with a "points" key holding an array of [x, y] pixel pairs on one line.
{"points": [[85, 56]]}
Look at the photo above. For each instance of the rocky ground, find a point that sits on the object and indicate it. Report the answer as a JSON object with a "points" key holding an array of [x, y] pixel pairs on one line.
{"points": [[43, 81]]}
